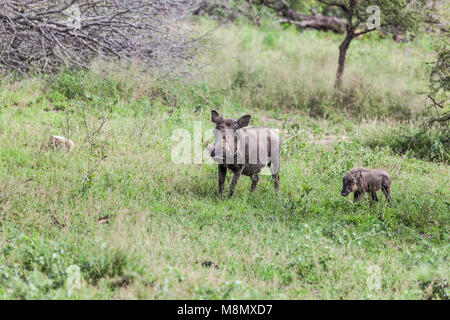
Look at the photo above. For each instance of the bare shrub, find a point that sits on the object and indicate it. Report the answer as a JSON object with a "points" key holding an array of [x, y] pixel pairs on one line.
{"points": [[49, 34]]}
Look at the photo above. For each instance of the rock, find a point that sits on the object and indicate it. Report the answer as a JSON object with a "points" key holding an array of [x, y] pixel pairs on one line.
{"points": [[61, 143]]}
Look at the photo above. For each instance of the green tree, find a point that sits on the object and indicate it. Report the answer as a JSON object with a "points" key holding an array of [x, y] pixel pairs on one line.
{"points": [[370, 15], [439, 84], [438, 92], [351, 17]]}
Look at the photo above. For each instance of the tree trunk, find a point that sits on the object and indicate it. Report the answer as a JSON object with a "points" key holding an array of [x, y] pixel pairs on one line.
{"points": [[342, 54]]}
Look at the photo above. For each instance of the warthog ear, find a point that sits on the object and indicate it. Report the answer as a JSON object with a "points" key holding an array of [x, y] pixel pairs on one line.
{"points": [[216, 117], [243, 121]]}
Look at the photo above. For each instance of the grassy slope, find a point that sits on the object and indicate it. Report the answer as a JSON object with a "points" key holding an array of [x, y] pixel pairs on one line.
{"points": [[167, 219]]}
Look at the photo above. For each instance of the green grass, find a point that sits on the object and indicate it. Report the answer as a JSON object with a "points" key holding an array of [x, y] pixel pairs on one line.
{"points": [[166, 219]]}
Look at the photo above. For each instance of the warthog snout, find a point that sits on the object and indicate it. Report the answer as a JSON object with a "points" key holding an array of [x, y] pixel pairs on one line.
{"points": [[347, 185], [217, 152]]}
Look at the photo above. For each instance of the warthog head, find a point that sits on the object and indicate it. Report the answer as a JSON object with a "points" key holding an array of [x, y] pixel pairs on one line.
{"points": [[349, 185], [228, 136]]}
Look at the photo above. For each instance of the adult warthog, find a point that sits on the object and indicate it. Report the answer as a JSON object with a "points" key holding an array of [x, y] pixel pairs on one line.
{"points": [[244, 151]]}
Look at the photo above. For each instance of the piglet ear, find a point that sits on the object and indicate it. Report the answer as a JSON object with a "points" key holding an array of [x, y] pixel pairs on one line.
{"points": [[216, 117], [244, 121]]}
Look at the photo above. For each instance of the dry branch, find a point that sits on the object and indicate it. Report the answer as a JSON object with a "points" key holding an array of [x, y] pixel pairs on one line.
{"points": [[318, 22], [48, 34]]}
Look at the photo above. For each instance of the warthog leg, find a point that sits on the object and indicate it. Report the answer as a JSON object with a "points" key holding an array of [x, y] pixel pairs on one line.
{"points": [[357, 196], [387, 193], [374, 196], [222, 175], [274, 169], [255, 179], [276, 181], [236, 176]]}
